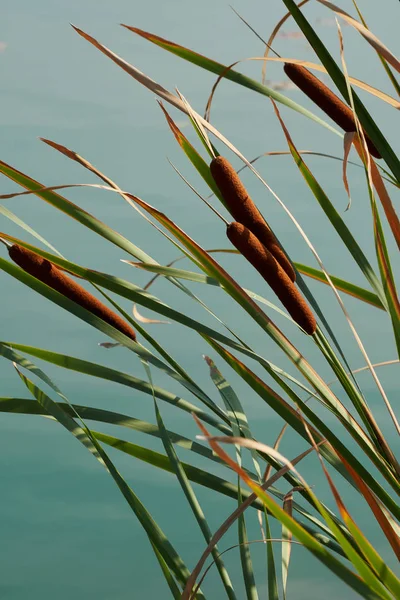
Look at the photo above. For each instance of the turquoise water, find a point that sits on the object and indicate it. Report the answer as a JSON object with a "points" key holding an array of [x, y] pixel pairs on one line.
{"points": [[65, 529]]}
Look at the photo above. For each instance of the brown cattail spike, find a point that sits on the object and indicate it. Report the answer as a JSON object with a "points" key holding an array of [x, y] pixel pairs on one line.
{"points": [[327, 101], [262, 260], [49, 274], [243, 210]]}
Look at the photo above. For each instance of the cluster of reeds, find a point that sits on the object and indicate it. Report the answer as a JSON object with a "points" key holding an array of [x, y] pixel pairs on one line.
{"points": [[337, 426]]}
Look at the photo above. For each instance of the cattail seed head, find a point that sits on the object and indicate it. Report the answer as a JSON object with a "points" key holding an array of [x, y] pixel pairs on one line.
{"points": [[48, 273], [262, 260], [243, 210], [327, 101]]}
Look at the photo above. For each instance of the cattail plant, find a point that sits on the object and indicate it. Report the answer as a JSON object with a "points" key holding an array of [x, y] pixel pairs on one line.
{"points": [[327, 101], [48, 273], [266, 264], [243, 210]]}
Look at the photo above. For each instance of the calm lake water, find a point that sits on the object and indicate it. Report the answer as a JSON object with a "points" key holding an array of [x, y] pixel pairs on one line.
{"points": [[66, 532]]}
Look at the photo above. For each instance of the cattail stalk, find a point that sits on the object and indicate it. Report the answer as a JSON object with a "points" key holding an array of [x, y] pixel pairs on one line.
{"points": [[327, 101], [265, 263], [243, 210], [49, 274]]}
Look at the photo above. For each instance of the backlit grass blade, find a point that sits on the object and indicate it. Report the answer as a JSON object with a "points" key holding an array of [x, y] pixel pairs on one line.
{"points": [[10, 215], [245, 554], [175, 591], [218, 68], [273, 593], [342, 285], [338, 78], [72, 210], [195, 158], [286, 543]]}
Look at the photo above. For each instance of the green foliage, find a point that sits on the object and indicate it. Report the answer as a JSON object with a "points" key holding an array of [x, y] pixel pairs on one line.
{"points": [[350, 447]]}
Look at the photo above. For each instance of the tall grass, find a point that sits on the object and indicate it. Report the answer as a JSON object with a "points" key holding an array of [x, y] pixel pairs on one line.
{"points": [[343, 432]]}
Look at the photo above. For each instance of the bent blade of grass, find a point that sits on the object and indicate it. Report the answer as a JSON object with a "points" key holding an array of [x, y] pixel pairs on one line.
{"points": [[383, 61], [74, 211], [311, 544], [281, 472], [217, 68], [369, 579], [381, 49], [341, 284], [213, 482], [369, 125], [273, 35]]}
